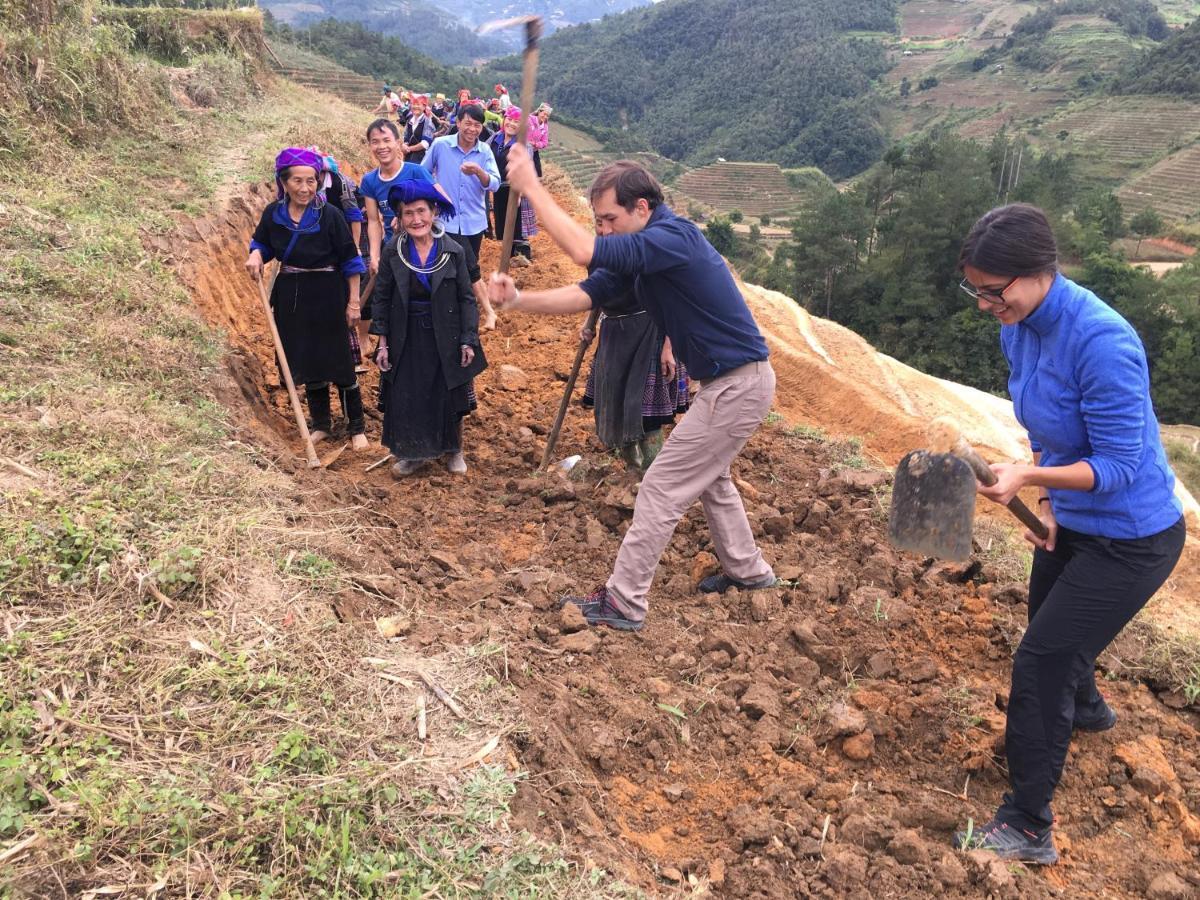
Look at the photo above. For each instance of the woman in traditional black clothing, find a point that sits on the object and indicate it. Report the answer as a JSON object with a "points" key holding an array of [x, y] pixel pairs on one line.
{"points": [[424, 312], [319, 266], [635, 384], [501, 143]]}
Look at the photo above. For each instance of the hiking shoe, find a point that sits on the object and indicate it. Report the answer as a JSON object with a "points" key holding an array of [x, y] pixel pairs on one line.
{"points": [[720, 583], [1103, 721], [1009, 842], [599, 610], [456, 464]]}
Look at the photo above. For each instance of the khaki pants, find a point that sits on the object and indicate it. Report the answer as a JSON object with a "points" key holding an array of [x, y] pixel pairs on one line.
{"points": [[694, 463]]}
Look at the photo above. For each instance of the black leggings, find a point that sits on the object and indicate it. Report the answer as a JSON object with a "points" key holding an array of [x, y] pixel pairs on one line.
{"points": [[519, 245], [1080, 597], [322, 413], [471, 243]]}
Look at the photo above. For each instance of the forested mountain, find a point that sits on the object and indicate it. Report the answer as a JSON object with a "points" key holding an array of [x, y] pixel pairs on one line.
{"points": [[353, 45], [1173, 67], [420, 24], [882, 259], [773, 80], [555, 13], [444, 29]]}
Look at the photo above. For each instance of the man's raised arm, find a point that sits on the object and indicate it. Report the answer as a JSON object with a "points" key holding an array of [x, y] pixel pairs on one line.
{"points": [[575, 240]]}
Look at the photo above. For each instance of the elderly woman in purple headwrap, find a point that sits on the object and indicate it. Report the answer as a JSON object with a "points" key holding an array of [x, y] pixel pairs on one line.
{"points": [[315, 295], [424, 312]]}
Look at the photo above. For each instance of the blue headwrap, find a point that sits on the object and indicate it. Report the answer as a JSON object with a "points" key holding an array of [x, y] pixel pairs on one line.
{"points": [[409, 190]]}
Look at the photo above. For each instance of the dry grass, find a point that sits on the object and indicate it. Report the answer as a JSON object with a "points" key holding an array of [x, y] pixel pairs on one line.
{"points": [[180, 710]]}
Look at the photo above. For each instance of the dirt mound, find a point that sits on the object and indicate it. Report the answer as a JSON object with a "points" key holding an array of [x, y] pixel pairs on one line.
{"points": [[810, 740]]}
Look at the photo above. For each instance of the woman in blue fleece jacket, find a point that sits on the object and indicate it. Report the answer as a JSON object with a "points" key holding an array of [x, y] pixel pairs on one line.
{"points": [[1081, 388]]}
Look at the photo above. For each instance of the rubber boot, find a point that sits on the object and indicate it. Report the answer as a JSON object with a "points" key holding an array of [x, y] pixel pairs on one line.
{"points": [[352, 408], [632, 454], [319, 407], [651, 444]]}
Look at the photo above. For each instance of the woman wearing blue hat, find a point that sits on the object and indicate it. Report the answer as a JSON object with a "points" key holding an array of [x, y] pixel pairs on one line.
{"points": [[425, 315]]}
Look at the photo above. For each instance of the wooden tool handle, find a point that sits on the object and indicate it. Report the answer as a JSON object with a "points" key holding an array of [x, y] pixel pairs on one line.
{"points": [[593, 316], [528, 84], [314, 461], [987, 477]]}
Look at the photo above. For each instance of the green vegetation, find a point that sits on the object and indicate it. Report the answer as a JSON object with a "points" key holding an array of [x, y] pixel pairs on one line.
{"points": [[173, 685], [1034, 44], [178, 36], [1185, 460], [1170, 68], [774, 81], [367, 52], [881, 258]]}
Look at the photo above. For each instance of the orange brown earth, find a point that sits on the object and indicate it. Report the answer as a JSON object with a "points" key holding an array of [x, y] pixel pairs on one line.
{"points": [[820, 739]]}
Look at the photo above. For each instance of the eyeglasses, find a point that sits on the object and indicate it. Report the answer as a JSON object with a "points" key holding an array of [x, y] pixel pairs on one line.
{"points": [[987, 296]]}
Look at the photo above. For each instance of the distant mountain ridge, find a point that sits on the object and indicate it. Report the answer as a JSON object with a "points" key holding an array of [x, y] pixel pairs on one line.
{"points": [[424, 27], [556, 13], [444, 29], [774, 80]]}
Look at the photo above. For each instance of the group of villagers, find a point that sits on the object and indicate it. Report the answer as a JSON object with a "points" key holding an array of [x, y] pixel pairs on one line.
{"points": [[1079, 379], [410, 282]]}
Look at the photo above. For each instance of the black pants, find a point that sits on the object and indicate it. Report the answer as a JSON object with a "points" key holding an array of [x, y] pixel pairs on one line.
{"points": [[322, 413], [1080, 597], [471, 243]]}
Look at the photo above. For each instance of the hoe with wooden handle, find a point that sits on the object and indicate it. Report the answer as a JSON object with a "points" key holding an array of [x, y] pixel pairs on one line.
{"points": [[310, 451], [933, 497], [533, 33]]}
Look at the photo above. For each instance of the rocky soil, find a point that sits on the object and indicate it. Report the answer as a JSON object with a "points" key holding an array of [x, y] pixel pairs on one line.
{"points": [[823, 738]]}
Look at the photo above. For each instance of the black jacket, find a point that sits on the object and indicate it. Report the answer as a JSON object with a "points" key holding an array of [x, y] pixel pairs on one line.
{"points": [[455, 314]]}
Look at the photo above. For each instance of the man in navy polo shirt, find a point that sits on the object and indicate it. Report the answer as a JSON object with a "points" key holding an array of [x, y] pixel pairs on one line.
{"points": [[686, 287]]}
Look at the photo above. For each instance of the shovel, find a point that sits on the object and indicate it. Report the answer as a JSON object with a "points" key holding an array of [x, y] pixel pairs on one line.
{"points": [[933, 498]]}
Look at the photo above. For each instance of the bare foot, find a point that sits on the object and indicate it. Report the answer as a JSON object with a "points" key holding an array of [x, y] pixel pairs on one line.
{"points": [[318, 436], [359, 442]]}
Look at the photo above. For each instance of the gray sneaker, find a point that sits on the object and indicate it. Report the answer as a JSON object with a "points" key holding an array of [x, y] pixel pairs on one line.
{"points": [[1009, 842], [720, 583]]}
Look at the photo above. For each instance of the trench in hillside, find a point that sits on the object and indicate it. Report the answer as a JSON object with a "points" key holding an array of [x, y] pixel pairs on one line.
{"points": [[805, 740]]}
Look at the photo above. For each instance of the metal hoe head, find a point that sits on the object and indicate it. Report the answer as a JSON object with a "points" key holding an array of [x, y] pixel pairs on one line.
{"points": [[933, 505], [533, 26]]}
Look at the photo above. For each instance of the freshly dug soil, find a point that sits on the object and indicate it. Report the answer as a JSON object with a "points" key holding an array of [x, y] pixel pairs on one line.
{"points": [[823, 738]]}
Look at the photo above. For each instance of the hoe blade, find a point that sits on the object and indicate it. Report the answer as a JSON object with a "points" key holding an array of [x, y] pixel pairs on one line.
{"points": [[933, 505]]}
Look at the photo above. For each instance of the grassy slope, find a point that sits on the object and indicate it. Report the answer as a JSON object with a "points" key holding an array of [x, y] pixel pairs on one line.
{"points": [[178, 705]]}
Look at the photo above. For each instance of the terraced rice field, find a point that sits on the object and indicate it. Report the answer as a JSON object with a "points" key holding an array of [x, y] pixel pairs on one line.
{"points": [[938, 18], [914, 67], [753, 188], [1129, 131], [1088, 44], [356, 89], [581, 167], [1172, 186]]}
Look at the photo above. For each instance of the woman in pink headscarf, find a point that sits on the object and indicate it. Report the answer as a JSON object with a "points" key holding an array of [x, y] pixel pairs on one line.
{"points": [[501, 142]]}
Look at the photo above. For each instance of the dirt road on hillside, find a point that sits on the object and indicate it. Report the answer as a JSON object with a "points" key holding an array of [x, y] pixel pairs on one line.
{"points": [[819, 739]]}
